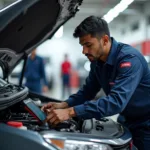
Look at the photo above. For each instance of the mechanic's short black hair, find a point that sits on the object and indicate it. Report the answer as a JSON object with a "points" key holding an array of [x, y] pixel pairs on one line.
{"points": [[95, 26]]}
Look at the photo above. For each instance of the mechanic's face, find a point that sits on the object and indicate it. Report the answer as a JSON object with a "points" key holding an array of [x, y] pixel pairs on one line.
{"points": [[95, 48]]}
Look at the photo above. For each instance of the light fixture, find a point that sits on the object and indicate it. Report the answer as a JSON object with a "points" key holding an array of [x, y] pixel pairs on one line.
{"points": [[59, 33], [114, 12]]}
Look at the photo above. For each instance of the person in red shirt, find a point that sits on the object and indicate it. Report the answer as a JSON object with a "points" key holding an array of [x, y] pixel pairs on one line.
{"points": [[65, 74]]}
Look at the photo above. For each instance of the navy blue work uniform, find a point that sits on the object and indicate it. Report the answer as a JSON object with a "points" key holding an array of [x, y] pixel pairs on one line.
{"points": [[35, 74], [125, 78]]}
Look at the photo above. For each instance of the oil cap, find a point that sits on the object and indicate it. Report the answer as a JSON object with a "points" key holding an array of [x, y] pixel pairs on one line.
{"points": [[16, 125]]}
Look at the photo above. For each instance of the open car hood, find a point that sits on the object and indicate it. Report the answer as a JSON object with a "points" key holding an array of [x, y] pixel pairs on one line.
{"points": [[27, 23]]}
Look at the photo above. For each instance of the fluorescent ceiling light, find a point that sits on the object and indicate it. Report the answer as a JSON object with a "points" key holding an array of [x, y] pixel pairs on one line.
{"points": [[59, 33], [114, 12]]}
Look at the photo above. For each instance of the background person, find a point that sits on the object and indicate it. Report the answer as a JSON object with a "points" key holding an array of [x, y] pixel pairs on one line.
{"points": [[65, 76], [35, 74]]}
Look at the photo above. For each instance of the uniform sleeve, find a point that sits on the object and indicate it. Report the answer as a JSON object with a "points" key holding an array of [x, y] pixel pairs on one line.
{"points": [[129, 74], [43, 76], [87, 92]]}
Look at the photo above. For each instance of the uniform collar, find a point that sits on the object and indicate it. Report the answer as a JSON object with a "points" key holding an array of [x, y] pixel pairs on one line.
{"points": [[113, 51]]}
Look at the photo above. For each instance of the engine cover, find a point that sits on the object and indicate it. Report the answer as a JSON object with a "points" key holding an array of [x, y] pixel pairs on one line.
{"points": [[105, 128]]}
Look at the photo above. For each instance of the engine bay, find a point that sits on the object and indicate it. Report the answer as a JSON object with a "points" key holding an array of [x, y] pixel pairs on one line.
{"points": [[19, 105], [18, 113]]}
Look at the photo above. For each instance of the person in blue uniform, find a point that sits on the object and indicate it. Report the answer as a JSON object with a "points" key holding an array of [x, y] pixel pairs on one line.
{"points": [[35, 74], [121, 71]]}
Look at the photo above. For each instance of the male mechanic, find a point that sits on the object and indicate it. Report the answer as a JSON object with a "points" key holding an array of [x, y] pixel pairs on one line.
{"points": [[123, 74]]}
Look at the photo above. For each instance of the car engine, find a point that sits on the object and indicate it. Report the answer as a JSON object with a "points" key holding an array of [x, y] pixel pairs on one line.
{"points": [[13, 108], [19, 114]]}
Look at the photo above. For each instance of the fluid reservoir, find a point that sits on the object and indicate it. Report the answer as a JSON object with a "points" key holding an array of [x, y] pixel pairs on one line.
{"points": [[16, 124]]}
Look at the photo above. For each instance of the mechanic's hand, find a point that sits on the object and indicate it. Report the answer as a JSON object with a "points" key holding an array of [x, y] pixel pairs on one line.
{"points": [[54, 105], [56, 116]]}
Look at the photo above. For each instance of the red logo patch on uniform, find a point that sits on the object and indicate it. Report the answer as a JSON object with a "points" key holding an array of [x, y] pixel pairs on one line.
{"points": [[125, 64], [111, 83]]}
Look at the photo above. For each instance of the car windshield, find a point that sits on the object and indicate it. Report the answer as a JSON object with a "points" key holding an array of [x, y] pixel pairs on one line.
{"points": [[5, 3]]}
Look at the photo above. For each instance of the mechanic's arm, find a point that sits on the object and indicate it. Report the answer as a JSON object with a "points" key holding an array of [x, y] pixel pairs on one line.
{"points": [[60, 112], [87, 92], [127, 80]]}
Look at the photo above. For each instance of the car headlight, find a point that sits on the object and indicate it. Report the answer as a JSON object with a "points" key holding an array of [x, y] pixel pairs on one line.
{"points": [[77, 145]]}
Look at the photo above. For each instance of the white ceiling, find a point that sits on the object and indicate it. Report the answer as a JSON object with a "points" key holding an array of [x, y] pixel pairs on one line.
{"points": [[100, 8]]}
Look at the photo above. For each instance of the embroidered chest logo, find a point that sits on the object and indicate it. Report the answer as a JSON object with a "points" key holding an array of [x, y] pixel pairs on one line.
{"points": [[111, 83], [125, 64]]}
